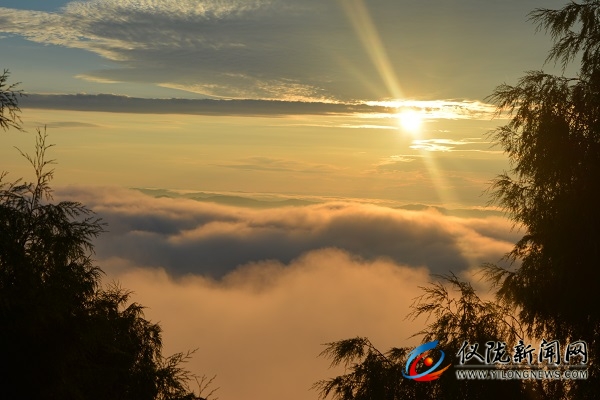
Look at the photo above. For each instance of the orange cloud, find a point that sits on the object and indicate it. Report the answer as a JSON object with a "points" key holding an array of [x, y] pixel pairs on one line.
{"points": [[261, 327]]}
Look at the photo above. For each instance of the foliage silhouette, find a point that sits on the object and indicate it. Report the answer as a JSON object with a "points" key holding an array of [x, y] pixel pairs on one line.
{"points": [[62, 335], [457, 314], [9, 103], [373, 375], [552, 140]]}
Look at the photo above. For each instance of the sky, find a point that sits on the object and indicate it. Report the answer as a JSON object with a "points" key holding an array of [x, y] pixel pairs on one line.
{"points": [[275, 174]]}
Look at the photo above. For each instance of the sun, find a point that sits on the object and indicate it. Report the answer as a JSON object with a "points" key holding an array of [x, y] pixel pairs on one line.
{"points": [[411, 121]]}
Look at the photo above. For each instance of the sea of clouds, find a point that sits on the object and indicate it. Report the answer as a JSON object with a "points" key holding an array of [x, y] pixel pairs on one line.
{"points": [[258, 291]]}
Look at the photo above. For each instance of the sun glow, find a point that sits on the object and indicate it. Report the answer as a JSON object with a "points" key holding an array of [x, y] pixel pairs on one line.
{"points": [[411, 121]]}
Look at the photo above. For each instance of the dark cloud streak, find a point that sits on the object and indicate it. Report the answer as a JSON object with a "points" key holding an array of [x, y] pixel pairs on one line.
{"points": [[124, 104]]}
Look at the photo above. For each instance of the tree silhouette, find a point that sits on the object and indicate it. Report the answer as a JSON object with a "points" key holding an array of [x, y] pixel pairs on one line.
{"points": [[457, 314], [373, 374], [9, 103], [553, 143], [63, 335]]}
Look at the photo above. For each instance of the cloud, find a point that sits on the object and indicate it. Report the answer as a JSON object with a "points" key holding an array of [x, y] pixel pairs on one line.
{"points": [[447, 145], [218, 48], [470, 168], [440, 109], [395, 159], [184, 236], [70, 124], [280, 165], [285, 49], [258, 292], [125, 104], [261, 328]]}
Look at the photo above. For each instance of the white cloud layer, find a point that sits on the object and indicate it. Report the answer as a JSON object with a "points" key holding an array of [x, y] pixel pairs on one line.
{"points": [[185, 236], [289, 279]]}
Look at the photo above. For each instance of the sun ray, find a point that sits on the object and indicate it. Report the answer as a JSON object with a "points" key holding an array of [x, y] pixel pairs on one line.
{"points": [[365, 29], [410, 120]]}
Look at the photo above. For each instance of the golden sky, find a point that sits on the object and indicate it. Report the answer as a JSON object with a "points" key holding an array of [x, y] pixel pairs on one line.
{"points": [[443, 162]]}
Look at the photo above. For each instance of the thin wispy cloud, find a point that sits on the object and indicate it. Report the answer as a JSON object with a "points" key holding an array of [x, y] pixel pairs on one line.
{"points": [[280, 165], [448, 145], [397, 159], [367, 126], [440, 109], [468, 172], [68, 124]]}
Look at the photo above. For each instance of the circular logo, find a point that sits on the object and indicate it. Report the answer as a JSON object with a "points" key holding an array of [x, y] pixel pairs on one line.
{"points": [[424, 352]]}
